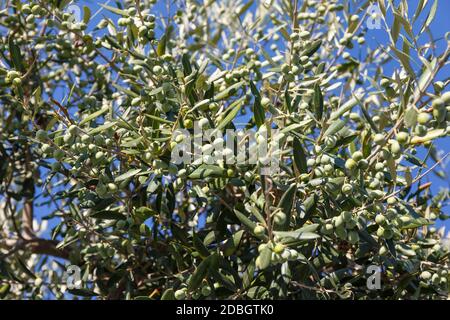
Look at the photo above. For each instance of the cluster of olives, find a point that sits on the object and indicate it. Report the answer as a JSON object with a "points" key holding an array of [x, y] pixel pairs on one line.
{"points": [[279, 252], [102, 250], [435, 278], [441, 110], [204, 291], [385, 228], [13, 77], [343, 226], [33, 11]]}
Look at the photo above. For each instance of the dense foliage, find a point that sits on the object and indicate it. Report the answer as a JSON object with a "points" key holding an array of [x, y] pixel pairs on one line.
{"points": [[87, 178]]}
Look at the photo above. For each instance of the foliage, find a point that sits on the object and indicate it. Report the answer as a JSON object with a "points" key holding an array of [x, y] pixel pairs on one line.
{"points": [[88, 117]]}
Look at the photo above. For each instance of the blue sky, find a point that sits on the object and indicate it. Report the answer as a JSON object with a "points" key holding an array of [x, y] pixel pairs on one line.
{"points": [[440, 25]]}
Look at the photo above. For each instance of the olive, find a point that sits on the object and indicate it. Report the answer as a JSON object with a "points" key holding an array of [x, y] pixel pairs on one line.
{"points": [[350, 164], [353, 237], [346, 216], [341, 232], [425, 275], [41, 135], [180, 294], [206, 291], [379, 139], [259, 230], [423, 118], [357, 155], [327, 229], [279, 248], [402, 137], [280, 218], [347, 189]]}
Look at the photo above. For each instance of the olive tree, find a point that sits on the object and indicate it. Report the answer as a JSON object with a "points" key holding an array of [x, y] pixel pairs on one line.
{"points": [[89, 176]]}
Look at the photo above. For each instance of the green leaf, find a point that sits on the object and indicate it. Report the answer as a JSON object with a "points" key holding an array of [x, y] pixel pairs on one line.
{"points": [[94, 115], [404, 58], [258, 110], [344, 108], [318, 102], [431, 16], [235, 108], [169, 294], [207, 170], [115, 10], [299, 156], [199, 246], [82, 292], [232, 244], [431, 135], [228, 91], [108, 215], [312, 48], [334, 127], [304, 233], [16, 55], [245, 220], [201, 272], [127, 175], [265, 258], [411, 116], [86, 14], [286, 203]]}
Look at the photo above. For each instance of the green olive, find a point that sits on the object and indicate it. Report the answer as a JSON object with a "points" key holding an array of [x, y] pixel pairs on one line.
{"points": [[259, 230], [350, 164]]}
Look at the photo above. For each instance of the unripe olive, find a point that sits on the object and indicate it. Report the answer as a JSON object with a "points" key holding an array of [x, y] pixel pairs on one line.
{"points": [[58, 154], [379, 139], [265, 102], [380, 232], [383, 250], [73, 129], [99, 155], [384, 82], [338, 221], [353, 237], [262, 247], [280, 218], [279, 248], [56, 166], [206, 291], [395, 147], [285, 68], [363, 164], [327, 229], [439, 110], [425, 275], [180, 294], [121, 224], [402, 137], [446, 97], [188, 124], [112, 187], [423, 118], [259, 230], [17, 82], [347, 189], [346, 216], [341, 232], [350, 164], [41, 135]]}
